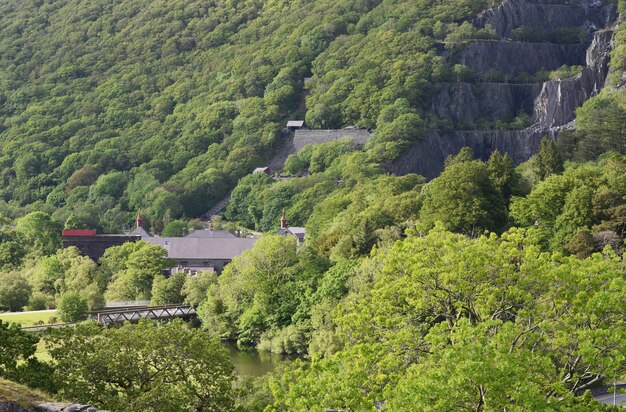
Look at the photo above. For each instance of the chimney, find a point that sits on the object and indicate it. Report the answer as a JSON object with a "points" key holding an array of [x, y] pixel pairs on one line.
{"points": [[139, 219], [283, 221]]}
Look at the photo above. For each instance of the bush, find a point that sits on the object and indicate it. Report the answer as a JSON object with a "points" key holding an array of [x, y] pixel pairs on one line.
{"points": [[38, 301], [14, 291], [52, 320], [72, 307]]}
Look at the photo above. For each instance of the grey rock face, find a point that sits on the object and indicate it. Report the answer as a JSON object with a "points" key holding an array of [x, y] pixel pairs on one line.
{"points": [[541, 16], [466, 103], [558, 99], [553, 102], [515, 58], [427, 157]]}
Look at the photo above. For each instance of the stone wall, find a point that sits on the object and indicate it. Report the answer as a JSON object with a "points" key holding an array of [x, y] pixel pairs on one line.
{"points": [[304, 137]]}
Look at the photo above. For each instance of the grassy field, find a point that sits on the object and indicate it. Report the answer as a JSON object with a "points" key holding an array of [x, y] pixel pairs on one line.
{"points": [[29, 318]]}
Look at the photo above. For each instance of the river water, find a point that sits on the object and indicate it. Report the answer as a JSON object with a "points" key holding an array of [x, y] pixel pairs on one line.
{"points": [[253, 363]]}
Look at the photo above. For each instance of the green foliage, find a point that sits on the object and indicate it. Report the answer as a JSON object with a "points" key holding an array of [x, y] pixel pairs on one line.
{"points": [[167, 290], [176, 228], [548, 161], [195, 287], [15, 291], [250, 295], [464, 199], [40, 232], [17, 361], [601, 124], [132, 267], [67, 270], [155, 366], [72, 307], [15, 345], [587, 197], [449, 322]]}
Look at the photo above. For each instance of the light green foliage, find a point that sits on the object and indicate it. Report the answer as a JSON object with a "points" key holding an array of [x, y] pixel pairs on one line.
{"points": [[548, 161], [195, 287], [449, 322], [465, 199], [590, 196], [149, 366], [176, 228], [12, 247], [247, 298], [40, 233], [317, 158], [72, 222], [64, 271], [132, 268], [345, 224], [17, 360], [14, 291], [166, 291], [72, 307]]}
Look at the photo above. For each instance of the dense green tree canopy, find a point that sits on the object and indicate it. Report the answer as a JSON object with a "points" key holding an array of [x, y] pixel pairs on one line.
{"points": [[149, 366]]}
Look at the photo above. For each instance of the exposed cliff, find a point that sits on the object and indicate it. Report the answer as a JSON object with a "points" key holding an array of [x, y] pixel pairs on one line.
{"points": [[467, 103], [553, 102], [542, 16], [515, 58]]}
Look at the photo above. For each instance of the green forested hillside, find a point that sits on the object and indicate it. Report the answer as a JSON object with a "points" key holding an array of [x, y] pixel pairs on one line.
{"points": [[111, 106], [489, 287]]}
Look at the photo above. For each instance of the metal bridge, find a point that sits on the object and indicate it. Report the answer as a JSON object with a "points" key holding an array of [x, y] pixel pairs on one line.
{"points": [[135, 313]]}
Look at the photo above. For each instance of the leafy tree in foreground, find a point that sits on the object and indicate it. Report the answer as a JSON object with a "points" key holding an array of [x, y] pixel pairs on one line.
{"points": [[452, 323], [149, 366], [17, 361]]}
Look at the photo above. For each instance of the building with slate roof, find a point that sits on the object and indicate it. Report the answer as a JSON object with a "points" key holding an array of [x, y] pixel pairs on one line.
{"points": [[298, 232], [200, 251]]}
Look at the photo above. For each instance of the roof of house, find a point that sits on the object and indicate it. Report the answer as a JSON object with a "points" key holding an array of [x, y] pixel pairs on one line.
{"points": [[295, 123], [261, 169], [183, 248], [140, 231], [204, 233], [303, 137], [298, 232]]}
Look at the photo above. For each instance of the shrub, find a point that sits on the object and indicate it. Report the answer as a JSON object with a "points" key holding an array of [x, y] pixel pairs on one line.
{"points": [[72, 307]]}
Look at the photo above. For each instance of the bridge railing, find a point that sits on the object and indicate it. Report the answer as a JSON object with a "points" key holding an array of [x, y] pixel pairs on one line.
{"points": [[111, 316]]}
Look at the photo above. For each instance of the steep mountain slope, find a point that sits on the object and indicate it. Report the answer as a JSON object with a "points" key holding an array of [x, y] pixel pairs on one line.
{"points": [[549, 105], [111, 106]]}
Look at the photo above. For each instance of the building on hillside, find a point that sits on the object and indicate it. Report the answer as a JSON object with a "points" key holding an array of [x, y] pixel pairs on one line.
{"points": [[201, 250], [298, 232], [304, 137], [265, 170], [93, 245]]}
